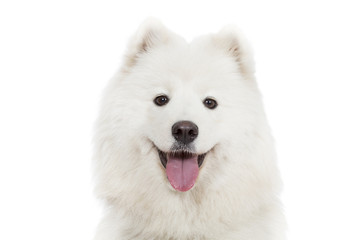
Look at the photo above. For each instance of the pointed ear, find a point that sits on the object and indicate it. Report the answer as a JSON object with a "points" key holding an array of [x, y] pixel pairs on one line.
{"points": [[233, 42], [150, 34]]}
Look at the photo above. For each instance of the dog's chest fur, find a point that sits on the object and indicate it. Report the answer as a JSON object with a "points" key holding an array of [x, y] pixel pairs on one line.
{"points": [[212, 216]]}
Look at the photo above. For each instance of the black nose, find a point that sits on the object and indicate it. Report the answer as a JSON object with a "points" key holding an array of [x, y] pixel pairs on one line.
{"points": [[185, 131]]}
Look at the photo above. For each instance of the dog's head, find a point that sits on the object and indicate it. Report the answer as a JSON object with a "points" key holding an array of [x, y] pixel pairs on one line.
{"points": [[185, 103]]}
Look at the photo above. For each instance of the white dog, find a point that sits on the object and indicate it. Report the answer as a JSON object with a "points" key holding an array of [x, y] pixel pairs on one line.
{"points": [[183, 149]]}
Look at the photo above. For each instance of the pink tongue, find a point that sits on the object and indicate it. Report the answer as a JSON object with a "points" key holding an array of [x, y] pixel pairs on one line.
{"points": [[182, 173]]}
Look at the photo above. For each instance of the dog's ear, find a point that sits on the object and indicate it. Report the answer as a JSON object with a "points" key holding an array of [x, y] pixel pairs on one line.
{"points": [[231, 40], [151, 33]]}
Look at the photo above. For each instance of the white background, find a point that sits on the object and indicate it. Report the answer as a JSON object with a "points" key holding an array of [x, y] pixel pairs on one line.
{"points": [[57, 56]]}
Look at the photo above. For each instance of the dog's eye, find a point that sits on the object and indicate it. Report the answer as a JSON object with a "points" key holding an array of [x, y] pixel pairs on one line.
{"points": [[210, 103], [161, 100]]}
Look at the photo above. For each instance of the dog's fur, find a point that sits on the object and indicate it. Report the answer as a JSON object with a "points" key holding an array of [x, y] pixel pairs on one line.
{"points": [[236, 193]]}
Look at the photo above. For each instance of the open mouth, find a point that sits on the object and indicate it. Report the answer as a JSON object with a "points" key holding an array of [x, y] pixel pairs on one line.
{"points": [[180, 154], [182, 168]]}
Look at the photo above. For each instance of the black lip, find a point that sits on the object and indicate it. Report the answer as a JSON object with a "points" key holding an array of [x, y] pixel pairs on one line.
{"points": [[183, 154]]}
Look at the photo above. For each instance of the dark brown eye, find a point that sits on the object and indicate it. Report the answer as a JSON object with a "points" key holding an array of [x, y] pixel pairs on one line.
{"points": [[210, 103], [161, 100]]}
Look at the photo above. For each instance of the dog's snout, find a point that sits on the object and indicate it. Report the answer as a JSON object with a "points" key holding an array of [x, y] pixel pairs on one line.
{"points": [[185, 131]]}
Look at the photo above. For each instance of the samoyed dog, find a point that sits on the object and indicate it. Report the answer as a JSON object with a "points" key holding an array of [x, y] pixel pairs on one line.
{"points": [[183, 149]]}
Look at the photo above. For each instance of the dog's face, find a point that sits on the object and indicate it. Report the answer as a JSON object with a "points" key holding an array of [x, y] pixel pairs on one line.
{"points": [[184, 109], [186, 100]]}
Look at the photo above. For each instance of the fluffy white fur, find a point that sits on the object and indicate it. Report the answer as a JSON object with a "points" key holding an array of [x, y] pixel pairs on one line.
{"points": [[236, 193]]}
